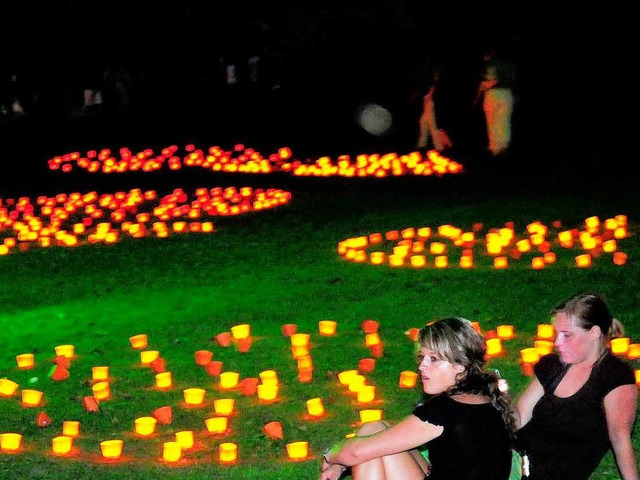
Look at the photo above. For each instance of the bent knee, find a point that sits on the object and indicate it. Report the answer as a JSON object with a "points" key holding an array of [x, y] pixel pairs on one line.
{"points": [[370, 428]]}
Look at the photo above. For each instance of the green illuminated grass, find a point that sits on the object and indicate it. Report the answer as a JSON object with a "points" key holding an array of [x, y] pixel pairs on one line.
{"points": [[268, 269]]}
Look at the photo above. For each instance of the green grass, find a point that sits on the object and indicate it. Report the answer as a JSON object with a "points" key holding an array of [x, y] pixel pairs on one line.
{"points": [[268, 269]]}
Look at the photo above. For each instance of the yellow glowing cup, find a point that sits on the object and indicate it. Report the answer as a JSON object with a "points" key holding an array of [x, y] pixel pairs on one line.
{"points": [[529, 355], [145, 426], [505, 331], [327, 327], [185, 439], [620, 346], [99, 374], [10, 442], [300, 339], [298, 450], [25, 361], [164, 380], [31, 398], [269, 377], [61, 445], [71, 428], [216, 424], [228, 452], [67, 351], [267, 393], [356, 383], [370, 415], [543, 347], [171, 452], [494, 346], [545, 331], [139, 341], [229, 379], [367, 393], [111, 449], [298, 351], [315, 407], [101, 390], [408, 379], [241, 331], [194, 396], [224, 406], [148, 356], [346, 376], [8, 387]]}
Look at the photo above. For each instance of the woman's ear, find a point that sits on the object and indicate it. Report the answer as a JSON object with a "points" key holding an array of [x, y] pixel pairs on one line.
{"points": [[459, 368]]}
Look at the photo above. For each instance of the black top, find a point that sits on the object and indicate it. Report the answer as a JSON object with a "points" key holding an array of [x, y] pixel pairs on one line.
{"points": [[566, 438], [475, 442]]}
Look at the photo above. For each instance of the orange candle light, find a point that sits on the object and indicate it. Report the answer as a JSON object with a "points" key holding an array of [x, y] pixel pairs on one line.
{"points": [[224, 339], [366, 365], [138, 341], [376, 350], [356, 383], [31, 398], [164, 415], [527, 368], [369, 326], [145, 426], [25, 361], [194, 396], [298, 351], [298, 450], [315, 407], [408, 379], [305, 362], [289, 329], [203, 357], [217, 425], [71, 428], [111, 449], [305, 375], [61, 445], [249, 386], [327, 328], [214, 368], [583, 261], [10, 442], [171, 452], [228, 452], [229, 380], [224, 406]]}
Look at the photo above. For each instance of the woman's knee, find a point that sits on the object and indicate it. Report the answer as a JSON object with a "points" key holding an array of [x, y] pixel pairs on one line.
{"points": [[370, 428]]}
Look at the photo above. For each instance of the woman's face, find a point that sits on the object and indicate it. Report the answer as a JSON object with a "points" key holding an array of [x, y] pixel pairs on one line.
{"points": [[574, 344], [437, 373]]}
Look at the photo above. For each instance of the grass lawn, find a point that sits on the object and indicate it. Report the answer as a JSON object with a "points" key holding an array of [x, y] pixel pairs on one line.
{"points": [[276, 267]]}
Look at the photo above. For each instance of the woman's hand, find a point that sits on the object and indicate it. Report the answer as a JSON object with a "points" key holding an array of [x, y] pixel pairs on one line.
{"points": [[331, 471]]}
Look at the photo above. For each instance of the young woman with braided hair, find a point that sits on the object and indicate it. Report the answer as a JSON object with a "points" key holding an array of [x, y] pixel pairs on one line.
{"points": [[466, 422]]}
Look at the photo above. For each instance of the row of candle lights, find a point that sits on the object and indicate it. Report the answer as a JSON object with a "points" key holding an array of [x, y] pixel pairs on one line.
{"points": [[52, 221], [353, 379], [248, 160], [414, 246]]}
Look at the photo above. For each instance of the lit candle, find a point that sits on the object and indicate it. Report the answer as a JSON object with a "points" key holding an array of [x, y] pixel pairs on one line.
{"points": [[217, 425], [315, 407], [194, 396], [185, 439], [61, 445], [370, 415], [171, 452], [327, 328], [111, 449], [25, 361], [297, 450], [224, 406], [408, 379], [31, 398], [229, 380], [145, 426], [10, 442], [228, 452], [71, 428]]}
